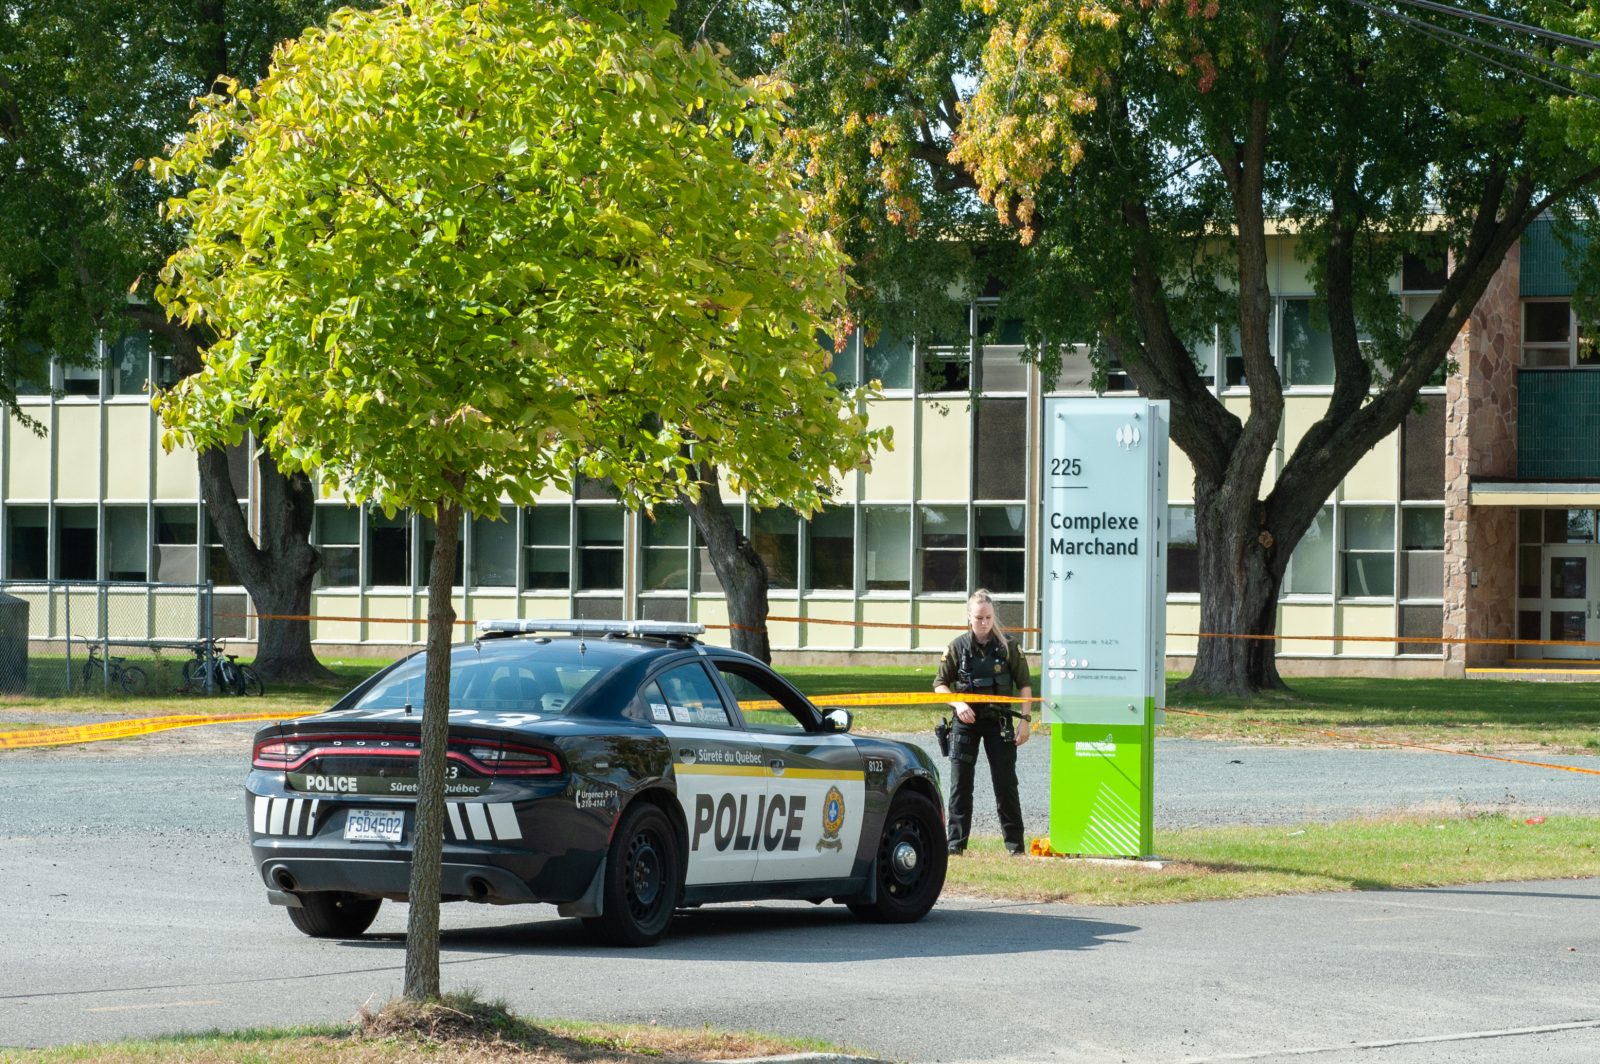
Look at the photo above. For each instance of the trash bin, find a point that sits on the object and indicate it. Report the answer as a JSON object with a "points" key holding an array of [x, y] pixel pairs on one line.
{"points": [[13, 644]]}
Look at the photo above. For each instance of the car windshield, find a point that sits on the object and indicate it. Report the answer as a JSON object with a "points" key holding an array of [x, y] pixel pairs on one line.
{"points": [[513, 676]]}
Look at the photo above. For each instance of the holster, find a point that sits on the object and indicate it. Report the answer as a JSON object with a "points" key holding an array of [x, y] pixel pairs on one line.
{"points": [[941, 732]]}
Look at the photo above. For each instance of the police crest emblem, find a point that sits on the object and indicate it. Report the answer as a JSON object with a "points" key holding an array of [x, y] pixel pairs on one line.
{"points": [[832, 821]]}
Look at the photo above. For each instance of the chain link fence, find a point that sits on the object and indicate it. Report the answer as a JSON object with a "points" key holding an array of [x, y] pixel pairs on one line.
{"points": [[87, 637]]}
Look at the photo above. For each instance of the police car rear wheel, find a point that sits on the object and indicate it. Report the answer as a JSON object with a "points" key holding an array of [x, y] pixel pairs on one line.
{"points": [[334, 914], [911, 863], [642, 880]]}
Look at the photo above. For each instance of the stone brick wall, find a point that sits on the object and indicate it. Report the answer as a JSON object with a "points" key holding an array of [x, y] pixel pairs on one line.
{"points": [[1480, 440]]}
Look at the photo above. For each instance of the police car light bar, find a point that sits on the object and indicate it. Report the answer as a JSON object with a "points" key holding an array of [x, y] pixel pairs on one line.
{"points": [[597, 628]]}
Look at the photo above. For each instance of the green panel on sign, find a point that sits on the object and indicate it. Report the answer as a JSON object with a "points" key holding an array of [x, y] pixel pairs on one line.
{"points": [[1101, 788]]}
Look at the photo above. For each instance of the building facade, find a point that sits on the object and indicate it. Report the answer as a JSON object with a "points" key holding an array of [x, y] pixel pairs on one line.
{"points": [[1476, 520]]}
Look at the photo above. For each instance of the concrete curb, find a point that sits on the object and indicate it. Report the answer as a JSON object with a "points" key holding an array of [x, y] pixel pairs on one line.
{"points": [[807, 1058]]}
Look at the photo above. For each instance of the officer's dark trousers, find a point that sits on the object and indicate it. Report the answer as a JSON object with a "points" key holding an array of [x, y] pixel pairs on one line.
{"points": [[999, 746]]}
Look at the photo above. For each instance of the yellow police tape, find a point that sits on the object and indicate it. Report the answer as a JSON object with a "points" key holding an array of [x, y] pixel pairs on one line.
{"points": [[128, 729]]}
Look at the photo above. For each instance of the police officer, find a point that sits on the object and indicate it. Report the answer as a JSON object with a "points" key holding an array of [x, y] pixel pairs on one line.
{"points": [[983, 661]]}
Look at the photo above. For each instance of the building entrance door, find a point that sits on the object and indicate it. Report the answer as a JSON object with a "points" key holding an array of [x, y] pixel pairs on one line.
{"points": [[1572, 599]]}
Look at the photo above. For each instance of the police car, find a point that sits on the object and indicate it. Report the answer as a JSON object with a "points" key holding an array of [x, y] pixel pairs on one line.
{"points": [[620, 770]]}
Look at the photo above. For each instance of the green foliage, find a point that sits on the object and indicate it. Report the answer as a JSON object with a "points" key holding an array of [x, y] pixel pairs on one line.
{"points": [[88, 89], [459, 252]]}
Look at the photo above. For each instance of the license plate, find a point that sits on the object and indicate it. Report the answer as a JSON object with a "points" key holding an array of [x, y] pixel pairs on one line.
{"points": [[374, 825]]}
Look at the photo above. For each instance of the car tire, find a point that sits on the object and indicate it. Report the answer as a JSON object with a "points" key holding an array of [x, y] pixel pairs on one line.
{"points": [[334, 914], [911, 862], [642, 880]]}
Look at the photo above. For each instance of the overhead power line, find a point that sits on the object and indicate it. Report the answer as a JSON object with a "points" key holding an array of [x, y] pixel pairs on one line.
{"points": [[1453, 39], [1505, 23]]}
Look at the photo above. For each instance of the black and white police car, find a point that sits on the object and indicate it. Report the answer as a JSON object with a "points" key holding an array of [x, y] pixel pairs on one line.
{"points": [[620, 770]]}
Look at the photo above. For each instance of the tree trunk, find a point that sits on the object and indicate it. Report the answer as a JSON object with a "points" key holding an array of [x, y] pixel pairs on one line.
{"points": [[740, 569], [1241, 569], [427, 848], [277, 571]]}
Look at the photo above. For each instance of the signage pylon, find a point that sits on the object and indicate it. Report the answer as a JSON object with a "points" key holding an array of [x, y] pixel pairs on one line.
{"points": [[1103, 674]]}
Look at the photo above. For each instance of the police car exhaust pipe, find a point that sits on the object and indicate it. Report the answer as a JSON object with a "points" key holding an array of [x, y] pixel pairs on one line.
{"points": [[284, 879], [478, 888]]}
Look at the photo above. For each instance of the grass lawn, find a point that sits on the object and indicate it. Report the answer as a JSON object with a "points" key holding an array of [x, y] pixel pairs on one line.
{"points": [[1472, 714], [1240, 862], [460, 1029], [1467, 714]]}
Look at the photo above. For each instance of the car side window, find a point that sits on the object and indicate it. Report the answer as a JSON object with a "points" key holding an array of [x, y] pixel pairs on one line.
{"points": [[686, 695], [766, 706]]}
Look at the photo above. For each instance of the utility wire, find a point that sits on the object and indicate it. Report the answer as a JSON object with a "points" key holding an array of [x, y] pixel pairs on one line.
{"points": [[1444, 36], [1507, 67], [1504, 49], [1495, 20]]}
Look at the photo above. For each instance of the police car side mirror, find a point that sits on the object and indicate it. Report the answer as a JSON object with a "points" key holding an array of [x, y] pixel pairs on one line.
{"points": [[838, 720]]}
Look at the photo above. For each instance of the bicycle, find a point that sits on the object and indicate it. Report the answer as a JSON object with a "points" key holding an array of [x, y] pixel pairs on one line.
{"points": [[212, 670], [110, 670]]}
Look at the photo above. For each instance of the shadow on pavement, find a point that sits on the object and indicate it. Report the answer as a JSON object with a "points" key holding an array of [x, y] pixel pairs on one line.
{"points": [[802, 936]]}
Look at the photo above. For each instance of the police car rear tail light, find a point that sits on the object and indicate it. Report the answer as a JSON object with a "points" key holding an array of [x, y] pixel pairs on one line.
{"points": [[484, 756], [503, 759]]}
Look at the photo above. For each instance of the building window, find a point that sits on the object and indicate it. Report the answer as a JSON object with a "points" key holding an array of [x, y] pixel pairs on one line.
{"points": [[1000, 364], [1183, 552], [775, 534], [888, 546], [337, 537], [494, 549], [887, 359], [945, 354], [28, 542], [843, 359], [831, 550], [942, 548], [127, 543], [1233, 357], [177, 538], [1569, 578], [1307, 345], [666, 549], [600, 554], [388, 549], [1310, 570], [77, 543], [1368, 558], [430, 535], [129, 363], [80, 380], [1422, 552], [219, 568], [548, 532], [1553, 338], [1002, 548]]}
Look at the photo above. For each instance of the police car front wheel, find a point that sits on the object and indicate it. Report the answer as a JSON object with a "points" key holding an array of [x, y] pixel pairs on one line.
{"points": [[911, 862]]}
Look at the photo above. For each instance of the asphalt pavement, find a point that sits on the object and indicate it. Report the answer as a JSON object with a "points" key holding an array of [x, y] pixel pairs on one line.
{"points": [[131, 909]]}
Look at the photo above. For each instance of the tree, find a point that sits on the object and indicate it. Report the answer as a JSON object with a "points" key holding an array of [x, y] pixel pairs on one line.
{"points": [[1137, 155], [88, 90], [462, 251]]}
